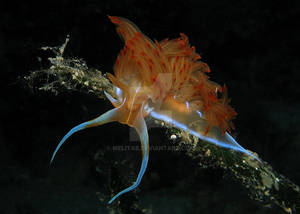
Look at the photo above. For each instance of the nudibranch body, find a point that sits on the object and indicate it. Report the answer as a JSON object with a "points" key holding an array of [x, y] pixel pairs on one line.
{"points": [[164, 80]]}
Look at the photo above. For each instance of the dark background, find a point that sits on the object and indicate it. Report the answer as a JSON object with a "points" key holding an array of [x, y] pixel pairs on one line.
{"points": [[251, 46]]}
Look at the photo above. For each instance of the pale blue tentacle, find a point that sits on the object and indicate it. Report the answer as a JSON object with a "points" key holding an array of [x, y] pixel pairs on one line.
{"points": [[141, 129], [104, 118], [112, 100]]}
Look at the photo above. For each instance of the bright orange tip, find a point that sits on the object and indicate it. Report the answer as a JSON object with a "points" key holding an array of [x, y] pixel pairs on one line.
{"points": [[114, 19]]}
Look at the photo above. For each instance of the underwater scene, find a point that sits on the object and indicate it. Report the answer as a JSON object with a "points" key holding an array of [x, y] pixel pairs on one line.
{"points": [[149, 107]]}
